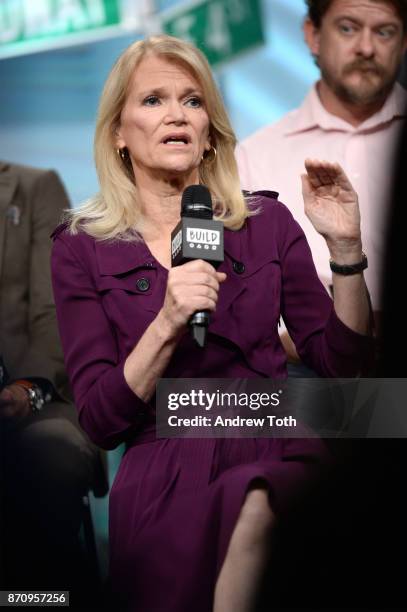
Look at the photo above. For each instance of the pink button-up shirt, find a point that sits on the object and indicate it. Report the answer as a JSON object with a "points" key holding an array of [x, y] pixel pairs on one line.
{"points": [[273, 158]]}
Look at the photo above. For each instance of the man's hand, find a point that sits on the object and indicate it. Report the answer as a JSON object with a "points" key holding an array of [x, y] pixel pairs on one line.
{"points": [[14, 403]]}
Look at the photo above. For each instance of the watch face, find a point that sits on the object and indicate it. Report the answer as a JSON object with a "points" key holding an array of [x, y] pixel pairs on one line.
{"points": [[36, 398]]}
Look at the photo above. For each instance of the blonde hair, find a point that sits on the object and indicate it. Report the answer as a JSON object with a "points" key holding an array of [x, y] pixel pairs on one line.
{"points": [[114, 212]]}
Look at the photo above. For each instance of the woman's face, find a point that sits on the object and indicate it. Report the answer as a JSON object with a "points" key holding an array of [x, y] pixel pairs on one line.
{"points": [[164, 123]]}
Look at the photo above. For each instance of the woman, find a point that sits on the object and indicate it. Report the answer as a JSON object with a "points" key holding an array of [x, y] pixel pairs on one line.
{"points": [[189, 518]]}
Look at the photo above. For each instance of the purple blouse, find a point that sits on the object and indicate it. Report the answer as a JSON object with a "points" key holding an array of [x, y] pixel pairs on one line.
{"points": [[103, 309]]}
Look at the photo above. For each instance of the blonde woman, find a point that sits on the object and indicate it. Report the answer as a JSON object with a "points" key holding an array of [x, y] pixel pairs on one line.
{"points": [[190, 519]]}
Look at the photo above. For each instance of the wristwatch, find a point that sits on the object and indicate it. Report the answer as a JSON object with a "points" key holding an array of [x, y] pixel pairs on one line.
{"points": [[349, 269], [35, 394]]}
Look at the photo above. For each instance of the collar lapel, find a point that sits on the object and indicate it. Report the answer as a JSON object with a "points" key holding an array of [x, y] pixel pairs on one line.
{"points": [[120, 257]]}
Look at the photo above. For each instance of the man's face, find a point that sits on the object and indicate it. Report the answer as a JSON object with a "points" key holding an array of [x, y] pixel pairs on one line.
{"points": [[359, 48]]}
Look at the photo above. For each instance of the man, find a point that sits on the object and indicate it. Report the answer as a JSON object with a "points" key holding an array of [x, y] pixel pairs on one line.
{"points": [[47, 463], [352, 116]]}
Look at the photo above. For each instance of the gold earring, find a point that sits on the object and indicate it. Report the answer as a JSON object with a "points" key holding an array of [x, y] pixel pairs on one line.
{"points": [[211, 156], [121, 153]]}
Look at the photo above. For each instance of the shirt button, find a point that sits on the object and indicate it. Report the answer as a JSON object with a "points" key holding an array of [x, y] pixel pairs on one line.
{"points": [[143, 284], [238, 267]]}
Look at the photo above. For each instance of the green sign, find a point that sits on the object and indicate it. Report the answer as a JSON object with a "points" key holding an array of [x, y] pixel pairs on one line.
{"points": [[25, 23], [220, 28]]}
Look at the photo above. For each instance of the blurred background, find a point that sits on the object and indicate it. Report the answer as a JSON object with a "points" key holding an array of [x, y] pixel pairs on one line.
{"points": [[49, 98]]}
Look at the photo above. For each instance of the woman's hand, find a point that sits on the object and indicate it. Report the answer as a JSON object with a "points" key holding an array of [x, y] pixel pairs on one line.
{"points": [[191, 287], [331, 204]]}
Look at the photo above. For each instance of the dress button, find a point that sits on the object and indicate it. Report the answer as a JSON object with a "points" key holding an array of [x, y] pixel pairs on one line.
{"points": [[143, 284], [238, 267]]}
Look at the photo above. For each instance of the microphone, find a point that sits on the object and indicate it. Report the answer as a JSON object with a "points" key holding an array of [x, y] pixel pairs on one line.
{"points": [[197, 236]]}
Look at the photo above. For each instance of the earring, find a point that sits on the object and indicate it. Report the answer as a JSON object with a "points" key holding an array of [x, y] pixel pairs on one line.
{"points": [[211, 156], [121, 153]]}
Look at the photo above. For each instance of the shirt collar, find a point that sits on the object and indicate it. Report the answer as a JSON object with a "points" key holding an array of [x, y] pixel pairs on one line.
{"points": [[312, 114]]}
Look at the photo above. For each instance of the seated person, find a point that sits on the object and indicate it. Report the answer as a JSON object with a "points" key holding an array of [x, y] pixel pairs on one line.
{"points": [[190, 519], [47, 463]]}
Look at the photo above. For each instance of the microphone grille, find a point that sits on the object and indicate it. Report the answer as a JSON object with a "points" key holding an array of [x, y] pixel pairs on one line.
{"points": [[196, 202]]}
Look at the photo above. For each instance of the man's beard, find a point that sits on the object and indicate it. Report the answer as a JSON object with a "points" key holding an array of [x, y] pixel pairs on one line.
{"points": [[367, 92]]}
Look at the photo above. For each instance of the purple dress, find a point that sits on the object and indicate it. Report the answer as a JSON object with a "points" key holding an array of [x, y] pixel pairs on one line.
{"points": [[174, 502]]}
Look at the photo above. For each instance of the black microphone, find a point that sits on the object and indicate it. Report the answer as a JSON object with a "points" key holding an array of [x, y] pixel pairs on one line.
{"points": [[197, 236]]}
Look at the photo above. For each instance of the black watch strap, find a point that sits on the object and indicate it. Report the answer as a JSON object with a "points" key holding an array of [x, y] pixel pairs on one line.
{"points": [[349, 269]]}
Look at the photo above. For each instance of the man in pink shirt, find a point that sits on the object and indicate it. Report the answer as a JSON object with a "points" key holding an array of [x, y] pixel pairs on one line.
{"points": [[352, 115]]}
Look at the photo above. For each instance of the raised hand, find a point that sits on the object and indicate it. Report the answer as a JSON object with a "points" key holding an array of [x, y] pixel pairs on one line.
{"points": [[331, 204]]}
